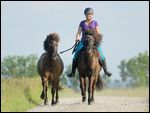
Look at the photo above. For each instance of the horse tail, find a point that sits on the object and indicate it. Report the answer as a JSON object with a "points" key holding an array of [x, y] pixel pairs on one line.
{"points": [[99, 83], [60, 88]]}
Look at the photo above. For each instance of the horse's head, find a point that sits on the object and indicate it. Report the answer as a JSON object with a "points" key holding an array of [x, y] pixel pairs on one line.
{"points": [[51, 45], [89, 43], [96, 36]]}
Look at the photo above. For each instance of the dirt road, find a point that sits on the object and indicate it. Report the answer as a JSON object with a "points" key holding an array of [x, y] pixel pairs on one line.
{"points": [[105, 104]]}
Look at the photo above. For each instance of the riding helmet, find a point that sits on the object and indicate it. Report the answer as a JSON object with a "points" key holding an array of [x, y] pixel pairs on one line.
{"points": [[88, 10]]}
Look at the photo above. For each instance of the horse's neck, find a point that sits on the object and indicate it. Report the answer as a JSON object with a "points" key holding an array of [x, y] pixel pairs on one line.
{"points": [[92, 55], [49, 57]]}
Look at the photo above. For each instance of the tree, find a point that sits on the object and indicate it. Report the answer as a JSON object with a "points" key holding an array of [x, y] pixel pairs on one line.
{"points": [[19, 66], [63, 79], [72, 82], [135, 71]]}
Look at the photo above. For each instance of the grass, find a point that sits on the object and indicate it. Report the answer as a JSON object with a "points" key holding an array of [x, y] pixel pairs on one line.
{"points": [[21, 94], [129, 92]]}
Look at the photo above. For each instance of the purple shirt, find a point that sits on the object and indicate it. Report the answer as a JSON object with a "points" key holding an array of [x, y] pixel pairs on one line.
{"points": [[85, 27]]}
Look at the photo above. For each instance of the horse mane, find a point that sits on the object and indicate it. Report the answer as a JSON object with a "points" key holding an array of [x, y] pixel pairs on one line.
{"points": [[51, 37], [97, 36]]}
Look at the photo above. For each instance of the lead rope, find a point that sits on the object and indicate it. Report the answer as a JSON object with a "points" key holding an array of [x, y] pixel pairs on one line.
{"points": [[74, 46]]}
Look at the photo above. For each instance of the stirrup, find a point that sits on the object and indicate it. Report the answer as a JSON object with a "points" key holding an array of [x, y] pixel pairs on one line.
{"points": [[71, 75], [109, 74]]}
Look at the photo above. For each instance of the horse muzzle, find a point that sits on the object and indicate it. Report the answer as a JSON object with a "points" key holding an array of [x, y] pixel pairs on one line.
{"points": [[54, 56]]}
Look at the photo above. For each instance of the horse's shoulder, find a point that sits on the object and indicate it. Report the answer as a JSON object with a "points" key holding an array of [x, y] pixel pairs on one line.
{"points": [[96, 53], [59, 58], [44, 58]]}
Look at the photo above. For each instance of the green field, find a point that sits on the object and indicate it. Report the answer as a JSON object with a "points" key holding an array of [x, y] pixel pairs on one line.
{"points": [[21, 94]]}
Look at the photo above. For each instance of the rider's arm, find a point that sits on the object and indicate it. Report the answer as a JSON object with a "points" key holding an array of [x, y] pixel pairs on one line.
{"points": [[98, 30], [78, 34]]}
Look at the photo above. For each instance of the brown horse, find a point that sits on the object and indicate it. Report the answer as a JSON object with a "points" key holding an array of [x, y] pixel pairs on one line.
{"points": [[50, 67], [88, 66]]}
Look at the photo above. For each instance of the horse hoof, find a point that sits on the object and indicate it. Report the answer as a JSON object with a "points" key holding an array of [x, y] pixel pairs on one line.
{"points": [[53, 103], [42, 96], [57, 101], [92, 100], [89, 103], [45, 103], [83, 99]]}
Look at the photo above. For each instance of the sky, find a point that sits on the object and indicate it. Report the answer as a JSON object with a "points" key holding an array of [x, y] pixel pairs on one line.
{"points": [[124, 25]]}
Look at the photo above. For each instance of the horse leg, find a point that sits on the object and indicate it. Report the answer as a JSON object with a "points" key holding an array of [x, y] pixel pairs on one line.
{"points": [[93, 90], [83, 89], [57, 87], [90, 90], [44, 92], [46, 99], [53, 93]]}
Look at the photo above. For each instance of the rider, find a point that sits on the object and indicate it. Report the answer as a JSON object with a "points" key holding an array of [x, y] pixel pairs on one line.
{"points": [[89, 23]]}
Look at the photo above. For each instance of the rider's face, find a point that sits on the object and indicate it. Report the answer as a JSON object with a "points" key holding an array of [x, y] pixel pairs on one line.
{"points": [[89, 16]]}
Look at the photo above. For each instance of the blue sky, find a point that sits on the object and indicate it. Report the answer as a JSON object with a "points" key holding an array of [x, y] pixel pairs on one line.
{"points": [[124, 25]]}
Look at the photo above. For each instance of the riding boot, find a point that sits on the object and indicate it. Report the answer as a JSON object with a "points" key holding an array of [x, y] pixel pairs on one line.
{"points": [[72, 74], [103, 63]]}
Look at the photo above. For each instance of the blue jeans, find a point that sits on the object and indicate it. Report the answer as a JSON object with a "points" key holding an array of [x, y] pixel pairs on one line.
{"points": [[80, 46]]}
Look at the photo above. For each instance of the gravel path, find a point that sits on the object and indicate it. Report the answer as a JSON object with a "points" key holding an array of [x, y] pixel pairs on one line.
{"points": [[105, 104]]}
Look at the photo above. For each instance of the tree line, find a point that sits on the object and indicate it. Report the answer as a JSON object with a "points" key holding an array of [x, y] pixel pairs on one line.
{"points": [[133, 72], [19, 66]]}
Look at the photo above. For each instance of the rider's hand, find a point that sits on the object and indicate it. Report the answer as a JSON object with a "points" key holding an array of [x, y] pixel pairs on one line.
{"points": [[77, 40]]}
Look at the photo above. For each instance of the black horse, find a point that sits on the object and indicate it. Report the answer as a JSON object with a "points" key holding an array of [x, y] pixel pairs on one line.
{"points": [[50, 67]]}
